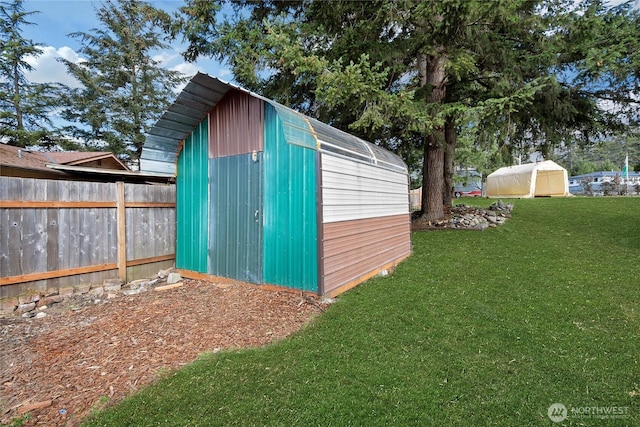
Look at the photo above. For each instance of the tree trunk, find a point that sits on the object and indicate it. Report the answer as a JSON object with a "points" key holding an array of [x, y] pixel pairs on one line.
{"points": [[449, 160], [432, 73], [432, 178]]}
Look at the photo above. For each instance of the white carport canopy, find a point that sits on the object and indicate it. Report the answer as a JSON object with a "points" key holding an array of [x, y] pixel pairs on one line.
{"points": [[541, 179]]}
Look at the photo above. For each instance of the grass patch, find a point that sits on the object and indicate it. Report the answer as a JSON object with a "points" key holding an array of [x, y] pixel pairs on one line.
{"points": [[476, 328]]}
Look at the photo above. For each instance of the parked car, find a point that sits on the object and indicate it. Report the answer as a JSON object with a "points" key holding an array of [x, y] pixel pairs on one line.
{"points": [[468, 193], [468, 183]]}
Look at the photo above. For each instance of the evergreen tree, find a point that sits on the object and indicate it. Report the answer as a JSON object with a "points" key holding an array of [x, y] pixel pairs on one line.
{"points": [[382, 69], [24, 106], [409, 75], [124, 91]]}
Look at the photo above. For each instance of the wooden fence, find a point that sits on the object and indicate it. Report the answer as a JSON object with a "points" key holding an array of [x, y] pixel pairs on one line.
{"points": [[63, 233]]}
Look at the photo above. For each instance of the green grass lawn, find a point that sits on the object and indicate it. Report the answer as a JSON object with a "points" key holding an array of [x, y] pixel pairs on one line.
{"points": [[476, 328]]}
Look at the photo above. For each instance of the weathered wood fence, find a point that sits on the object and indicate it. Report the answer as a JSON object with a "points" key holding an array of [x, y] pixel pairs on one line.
{"points": [[63, 233]]}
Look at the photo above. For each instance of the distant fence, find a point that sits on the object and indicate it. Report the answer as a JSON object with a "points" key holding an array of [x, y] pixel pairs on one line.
{"points": [[63, 233]]}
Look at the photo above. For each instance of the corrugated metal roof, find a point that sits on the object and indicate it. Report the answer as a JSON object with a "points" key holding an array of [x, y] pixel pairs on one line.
{"points": [[203, 92]]}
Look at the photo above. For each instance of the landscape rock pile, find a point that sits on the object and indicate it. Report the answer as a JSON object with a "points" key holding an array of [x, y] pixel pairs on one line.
{"points": [[463, 216], [467, 217], [37, 304]]}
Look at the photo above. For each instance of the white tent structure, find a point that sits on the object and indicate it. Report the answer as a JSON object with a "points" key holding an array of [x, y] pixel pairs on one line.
{"points": [[541, 179]]}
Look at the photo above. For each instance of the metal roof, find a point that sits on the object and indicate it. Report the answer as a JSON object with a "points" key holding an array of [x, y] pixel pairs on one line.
{"points": [[203, 92]]}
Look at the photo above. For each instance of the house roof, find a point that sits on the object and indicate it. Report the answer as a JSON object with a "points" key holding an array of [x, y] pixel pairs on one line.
{"points": [[32, 159], [203, 92], [77, 158], [78, 163], [606, 174], [23, 158]]}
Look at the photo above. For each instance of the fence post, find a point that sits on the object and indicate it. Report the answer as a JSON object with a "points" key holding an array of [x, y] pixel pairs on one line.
{"points": [[122, 231]]}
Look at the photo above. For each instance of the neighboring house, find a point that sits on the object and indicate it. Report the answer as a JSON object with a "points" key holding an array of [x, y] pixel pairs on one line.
{"points": [[269, 196], [76, 165], [596, 179]]}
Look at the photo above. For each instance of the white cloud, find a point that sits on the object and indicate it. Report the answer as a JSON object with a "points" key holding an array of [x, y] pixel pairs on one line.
{"points": [[612, 3], [47, 69], [187, 68], [164, 58], [223, 72]]}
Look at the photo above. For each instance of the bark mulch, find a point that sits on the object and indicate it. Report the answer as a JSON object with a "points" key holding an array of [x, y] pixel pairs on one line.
{"points": [[56, 370]]}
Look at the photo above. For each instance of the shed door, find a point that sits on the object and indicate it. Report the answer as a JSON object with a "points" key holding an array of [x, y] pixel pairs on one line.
{"points": [[235, 247]]}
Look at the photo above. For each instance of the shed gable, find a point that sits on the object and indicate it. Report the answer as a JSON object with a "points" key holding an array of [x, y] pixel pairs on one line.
{"points": [[236, 125]]}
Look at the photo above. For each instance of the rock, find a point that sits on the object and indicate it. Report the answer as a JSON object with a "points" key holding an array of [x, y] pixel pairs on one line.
{"points": [[67, 291], [136, 284], [173, 278], [53, 299], [501, 206], [110, 285], [131, 291], [8, 305], [143, 284], [26, 299], [164, 273], [51, 292], [24, 308], [82, 288], [40, 315], [96, 292]]}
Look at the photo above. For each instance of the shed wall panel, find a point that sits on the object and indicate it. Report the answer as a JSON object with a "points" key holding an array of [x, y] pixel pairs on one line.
{"points": [[235, 247], [236, 125], [290, 215], [192, 202], [353, 190], [352, 249]]}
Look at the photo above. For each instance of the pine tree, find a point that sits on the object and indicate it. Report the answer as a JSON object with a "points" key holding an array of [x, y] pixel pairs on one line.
{"points": [[124, 91], [24, 106]]}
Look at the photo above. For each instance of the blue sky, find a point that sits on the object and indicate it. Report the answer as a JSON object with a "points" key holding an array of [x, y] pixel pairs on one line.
{"points": [[58, 18]]}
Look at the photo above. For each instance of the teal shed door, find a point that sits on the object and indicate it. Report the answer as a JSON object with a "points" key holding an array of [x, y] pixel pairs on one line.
{"points": [[235, 245]]}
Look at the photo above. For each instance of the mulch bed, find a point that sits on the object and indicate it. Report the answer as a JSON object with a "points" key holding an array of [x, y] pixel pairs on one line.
{"points": [[59, 368]]}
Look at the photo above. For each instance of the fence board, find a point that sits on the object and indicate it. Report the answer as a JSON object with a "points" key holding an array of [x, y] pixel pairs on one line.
{"points": [[63, 233]]}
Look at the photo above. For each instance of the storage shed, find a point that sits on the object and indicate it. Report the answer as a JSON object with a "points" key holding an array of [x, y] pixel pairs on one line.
{"points": [[540, 179], [266, 195]]}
